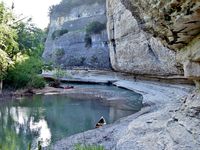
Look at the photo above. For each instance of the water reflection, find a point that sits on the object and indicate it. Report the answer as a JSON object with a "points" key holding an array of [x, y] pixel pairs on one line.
{"points": [[48, 119]]}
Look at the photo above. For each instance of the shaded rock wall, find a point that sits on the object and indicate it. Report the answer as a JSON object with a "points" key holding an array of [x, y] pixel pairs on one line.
{"points": [[189, 56], [176, 23], [132, 49], [75, 47]]}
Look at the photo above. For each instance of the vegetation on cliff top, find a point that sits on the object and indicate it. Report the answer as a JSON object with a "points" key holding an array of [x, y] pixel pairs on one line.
{"points": [[94, 27], [65, 6], [58, 33]]}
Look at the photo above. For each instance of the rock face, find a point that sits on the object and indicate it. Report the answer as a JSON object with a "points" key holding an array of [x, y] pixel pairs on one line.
{"points": [[176, 23], [189, 56], [133, 42], [73, 39], [132, 49]]}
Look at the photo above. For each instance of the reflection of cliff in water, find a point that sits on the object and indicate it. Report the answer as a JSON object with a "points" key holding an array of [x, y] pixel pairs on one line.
{"points": [[50, 118]]}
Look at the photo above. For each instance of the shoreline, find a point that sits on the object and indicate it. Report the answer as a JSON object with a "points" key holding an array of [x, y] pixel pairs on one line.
{"points": [[150, 128], [155, 126]]}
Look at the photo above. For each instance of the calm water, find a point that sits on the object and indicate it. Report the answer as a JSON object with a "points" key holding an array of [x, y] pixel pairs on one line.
{"points": [[53, 117]]}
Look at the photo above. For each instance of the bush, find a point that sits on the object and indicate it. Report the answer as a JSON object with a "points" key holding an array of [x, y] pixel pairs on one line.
{"points": [[37, 82], [24, 73], [95, 27], [58, 33], [59, 73], [66, 6]]}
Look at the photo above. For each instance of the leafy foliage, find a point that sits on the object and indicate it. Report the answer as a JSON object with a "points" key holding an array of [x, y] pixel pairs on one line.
{"points": [[30, 38], [59, 73], [65, 6], [25, 74], [8, 44], [8, 35], [37, 82], [21, 44], [58, 33], [95, 27], [5, 62]]}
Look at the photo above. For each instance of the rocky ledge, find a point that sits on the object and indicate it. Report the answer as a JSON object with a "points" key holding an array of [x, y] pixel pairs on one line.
{"points": [[168, 120]]}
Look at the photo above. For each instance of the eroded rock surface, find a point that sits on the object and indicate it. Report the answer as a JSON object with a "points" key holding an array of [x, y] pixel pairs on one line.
{"points": [[189, 56], [132, 49], [175, 22]]}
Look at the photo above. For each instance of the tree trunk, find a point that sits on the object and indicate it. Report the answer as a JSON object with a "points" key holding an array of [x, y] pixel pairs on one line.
{"points": [[1, 86]]}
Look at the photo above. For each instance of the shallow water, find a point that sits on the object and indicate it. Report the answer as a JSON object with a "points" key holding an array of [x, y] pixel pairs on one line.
{"points": [[52, 117]]}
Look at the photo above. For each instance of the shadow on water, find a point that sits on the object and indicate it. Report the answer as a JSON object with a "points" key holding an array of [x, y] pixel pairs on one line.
{"points": [[52, 117]]}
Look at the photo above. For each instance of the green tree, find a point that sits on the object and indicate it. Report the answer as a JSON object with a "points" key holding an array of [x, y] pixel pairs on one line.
{"points": [[28, 63], [5, 62], [30, 38], [8, 35], [8, 44], [25, 74], [23, 43]]}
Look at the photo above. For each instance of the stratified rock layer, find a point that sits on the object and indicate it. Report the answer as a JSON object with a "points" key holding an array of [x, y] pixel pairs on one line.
{"points": [[68, 44]]}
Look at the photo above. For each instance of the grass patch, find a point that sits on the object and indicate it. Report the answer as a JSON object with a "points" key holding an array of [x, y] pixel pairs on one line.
{"points": [[58, 33]]}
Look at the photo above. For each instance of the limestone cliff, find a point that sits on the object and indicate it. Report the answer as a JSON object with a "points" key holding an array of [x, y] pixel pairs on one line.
{"points": [[143, 37], [77, 34], [132, 49], [177, 24]]}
